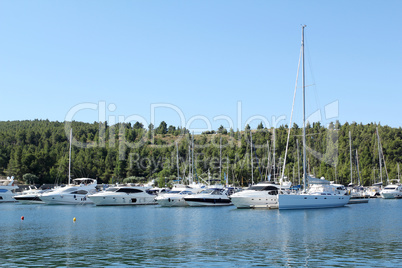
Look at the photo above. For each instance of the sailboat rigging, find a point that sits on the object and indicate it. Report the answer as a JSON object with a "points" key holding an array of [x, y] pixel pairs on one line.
{"points": [[323, 194]]}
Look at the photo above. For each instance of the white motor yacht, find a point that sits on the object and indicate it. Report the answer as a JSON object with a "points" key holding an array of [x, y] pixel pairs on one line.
{"points": [[30, 196], [261, 195], [72, 194], [7, 190], [358, 194], [209, 197], [123, 195], [392, 191], [374, 190], [175, 198]]}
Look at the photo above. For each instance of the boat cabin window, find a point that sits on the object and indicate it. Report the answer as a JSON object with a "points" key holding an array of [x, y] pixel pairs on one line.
{"points": [[390, 188], [129, 190], [80, 192], [70, 189], [186, 192]]}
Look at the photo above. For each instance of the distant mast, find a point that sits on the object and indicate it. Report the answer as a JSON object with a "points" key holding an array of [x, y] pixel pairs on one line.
{"points": [[274, 156], [251, 158], [379, 153], [69, 157], [350, 152], [177, 162]]}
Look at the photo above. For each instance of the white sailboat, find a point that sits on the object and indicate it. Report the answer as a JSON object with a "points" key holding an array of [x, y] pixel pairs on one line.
{"points": [[326, 197]]}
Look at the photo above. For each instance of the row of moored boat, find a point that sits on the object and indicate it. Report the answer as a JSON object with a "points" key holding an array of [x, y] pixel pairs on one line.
{"points": [[320, 194]]}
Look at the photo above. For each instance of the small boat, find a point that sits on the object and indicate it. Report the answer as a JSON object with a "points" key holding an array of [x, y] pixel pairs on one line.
{"points": [[30, 196], [123, 195], [175, 198], [392, 191], [7, 190], [209, 197], [374, 190], [358, 194], [260, 195], [72, 194]]}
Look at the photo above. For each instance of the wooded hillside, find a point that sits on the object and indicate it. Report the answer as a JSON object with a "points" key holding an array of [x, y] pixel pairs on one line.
{"points": [[132, 152]]}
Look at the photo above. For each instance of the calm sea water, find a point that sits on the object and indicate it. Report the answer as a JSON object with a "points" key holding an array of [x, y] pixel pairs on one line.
{"points": [[356, 235]]}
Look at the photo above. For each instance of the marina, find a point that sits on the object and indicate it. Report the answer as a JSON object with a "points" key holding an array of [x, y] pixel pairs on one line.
{"points": [[200, 134], [365, 235]]}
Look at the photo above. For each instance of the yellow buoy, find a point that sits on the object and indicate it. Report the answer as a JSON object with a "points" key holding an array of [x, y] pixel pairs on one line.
{"points": [[74, 219]]}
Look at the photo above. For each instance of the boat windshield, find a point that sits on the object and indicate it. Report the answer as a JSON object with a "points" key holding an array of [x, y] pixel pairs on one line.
{"points": [[390, 188], [111, 189], [262, 188], [212, 191], [186, 192], [174, 192], [207, 191]]}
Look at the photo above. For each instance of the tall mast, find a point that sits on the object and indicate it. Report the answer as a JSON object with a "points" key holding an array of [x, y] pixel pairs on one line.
{"points": [[304, 114], [351, 169], [274, 156], [336, 180], [189, 163], [177, 160], [357, 168], [220, 159], [379, 153], [227, 171], [266, 173], [251, 158], [298, 158], [69, 157], [192, 158]]}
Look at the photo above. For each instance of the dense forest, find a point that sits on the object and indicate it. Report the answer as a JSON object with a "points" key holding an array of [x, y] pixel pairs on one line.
{"points": [[38, 152]]}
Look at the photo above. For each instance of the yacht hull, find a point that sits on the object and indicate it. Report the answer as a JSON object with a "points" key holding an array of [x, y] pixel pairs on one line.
{"points": [[391, 195], [306, 201], [7, 198], [28, 199], [172, 202], [124, 200], [267, 201], [66, 199], [207, 202]]}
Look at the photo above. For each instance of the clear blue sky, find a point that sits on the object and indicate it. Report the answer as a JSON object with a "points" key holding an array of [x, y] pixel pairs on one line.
{"points": [[201, 60]]}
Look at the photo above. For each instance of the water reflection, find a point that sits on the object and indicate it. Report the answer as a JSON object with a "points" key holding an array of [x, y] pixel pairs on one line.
{"points": [[359, 235]]}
